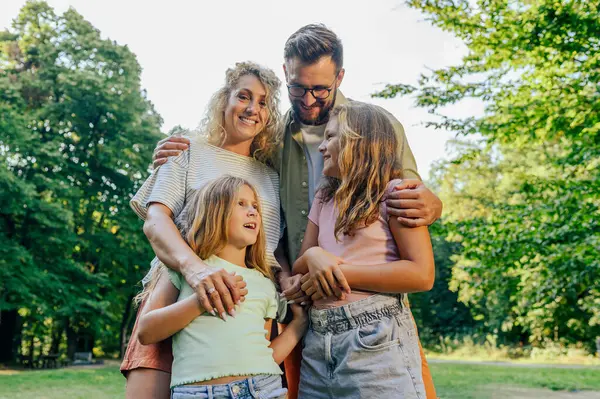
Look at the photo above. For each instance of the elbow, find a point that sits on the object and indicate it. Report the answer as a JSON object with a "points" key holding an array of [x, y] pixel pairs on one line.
{"points": [[144, 335], [429, 278], [148, 228]]}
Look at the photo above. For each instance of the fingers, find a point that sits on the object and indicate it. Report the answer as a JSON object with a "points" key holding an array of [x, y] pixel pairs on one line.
{"points": [[203, 299], [394, 207], [296, 295], [310, 290], [215, 298], [168, 147], [412, 222], [174, 139], [231, 284], [324, 285], [409, 184], [307, 284], [305, 278], [333, 284], [292, 289], [316, 296], [166, 153], [412, 213], [158, 162], [404, 194], [341, 280], [225, 297]]}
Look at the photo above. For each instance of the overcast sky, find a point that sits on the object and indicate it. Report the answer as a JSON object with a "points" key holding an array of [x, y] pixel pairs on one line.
{"points": [[184, 48]]}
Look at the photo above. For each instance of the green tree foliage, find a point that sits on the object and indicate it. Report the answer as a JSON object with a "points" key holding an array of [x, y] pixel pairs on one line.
{"points": [[76, 132], [522, 197]]}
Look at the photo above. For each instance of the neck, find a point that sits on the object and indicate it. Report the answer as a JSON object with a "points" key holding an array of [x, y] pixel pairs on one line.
{"points": [[242, 148], [234, 255]]}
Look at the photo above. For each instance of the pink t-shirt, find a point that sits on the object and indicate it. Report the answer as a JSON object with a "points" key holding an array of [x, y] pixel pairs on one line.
{"points": [[371, 245]]}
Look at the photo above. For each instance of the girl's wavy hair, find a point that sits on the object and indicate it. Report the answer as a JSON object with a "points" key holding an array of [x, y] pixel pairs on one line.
{"points": [[367, 163], [204, 225], [264, 145]]}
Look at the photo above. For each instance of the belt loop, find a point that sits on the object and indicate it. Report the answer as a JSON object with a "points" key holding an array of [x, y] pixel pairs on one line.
{"points": [[209, 391], [251, 386], [349, 316], [401, 298]]}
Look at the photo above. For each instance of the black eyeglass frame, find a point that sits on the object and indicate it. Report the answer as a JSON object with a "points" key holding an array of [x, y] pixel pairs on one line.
{"points": [[312, 90]]}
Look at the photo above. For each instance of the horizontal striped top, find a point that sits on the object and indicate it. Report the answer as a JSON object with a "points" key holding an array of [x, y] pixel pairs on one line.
{"points": [[171, 183]]}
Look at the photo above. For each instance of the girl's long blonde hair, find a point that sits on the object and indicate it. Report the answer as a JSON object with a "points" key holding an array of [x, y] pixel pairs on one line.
{"points": [[203, 224], [367, 163], [265, 144]]}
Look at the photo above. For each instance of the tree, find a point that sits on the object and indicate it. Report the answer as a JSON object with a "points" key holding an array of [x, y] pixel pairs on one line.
{"points": [[76, 133], [523, 196]]}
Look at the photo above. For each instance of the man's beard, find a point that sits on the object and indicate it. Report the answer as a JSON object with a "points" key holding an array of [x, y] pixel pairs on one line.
{"points": [[323, 116]]}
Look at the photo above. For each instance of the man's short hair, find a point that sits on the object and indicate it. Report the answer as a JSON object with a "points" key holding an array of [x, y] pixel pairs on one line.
{"points": [[311, 42]]}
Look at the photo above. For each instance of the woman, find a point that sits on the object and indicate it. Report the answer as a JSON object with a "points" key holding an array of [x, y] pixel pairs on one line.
{"points": [[238, 137]]}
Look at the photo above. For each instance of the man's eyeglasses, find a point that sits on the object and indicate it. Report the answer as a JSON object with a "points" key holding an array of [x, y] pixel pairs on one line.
{"points": [[319, 93]]}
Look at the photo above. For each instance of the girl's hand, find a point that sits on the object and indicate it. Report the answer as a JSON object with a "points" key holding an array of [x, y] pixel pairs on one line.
{"points": [[312, 288], [292, 289], [324, 268]]}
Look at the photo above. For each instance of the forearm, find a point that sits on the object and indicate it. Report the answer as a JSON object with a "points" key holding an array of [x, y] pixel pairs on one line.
{"points": [[401, 276], [169, 247], [159, 324], [286, 342]]}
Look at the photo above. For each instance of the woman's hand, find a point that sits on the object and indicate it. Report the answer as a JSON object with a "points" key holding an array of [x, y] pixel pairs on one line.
{"points": [[327, 276], [292, 290], [219, 290]]}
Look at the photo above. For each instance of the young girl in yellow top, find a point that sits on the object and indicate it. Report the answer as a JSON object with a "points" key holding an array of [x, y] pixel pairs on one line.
{"points": [[362, 341], [213, 358]]}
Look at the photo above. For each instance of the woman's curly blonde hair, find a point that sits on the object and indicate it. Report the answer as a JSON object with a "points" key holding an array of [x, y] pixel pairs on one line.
{"points": [[265, 143]]}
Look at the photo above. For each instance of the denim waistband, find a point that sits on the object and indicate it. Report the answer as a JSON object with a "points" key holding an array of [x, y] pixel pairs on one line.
{"points": [[347, 317], [235, 389]]}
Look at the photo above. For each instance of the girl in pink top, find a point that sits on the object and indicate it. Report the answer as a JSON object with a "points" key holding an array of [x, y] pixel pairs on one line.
{"points": [[359, 264]]}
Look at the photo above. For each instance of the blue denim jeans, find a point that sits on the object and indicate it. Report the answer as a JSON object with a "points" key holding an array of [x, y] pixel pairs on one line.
{"points": [[365, 349], [258, 387]]}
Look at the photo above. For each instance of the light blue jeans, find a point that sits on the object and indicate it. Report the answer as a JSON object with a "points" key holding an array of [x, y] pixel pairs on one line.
{"points": [[258, 387], [366, 349]]}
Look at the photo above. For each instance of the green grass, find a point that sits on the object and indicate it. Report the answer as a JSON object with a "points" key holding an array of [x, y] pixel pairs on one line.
{"points": [[467, 381], [451, 380], [96, 383]]}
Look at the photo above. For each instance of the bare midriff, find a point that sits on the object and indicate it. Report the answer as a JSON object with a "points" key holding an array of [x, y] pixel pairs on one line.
{"points": [[223, 380]]}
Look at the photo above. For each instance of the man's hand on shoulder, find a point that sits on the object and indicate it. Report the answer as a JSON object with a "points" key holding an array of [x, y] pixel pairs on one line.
{"points": [[414, 204]]}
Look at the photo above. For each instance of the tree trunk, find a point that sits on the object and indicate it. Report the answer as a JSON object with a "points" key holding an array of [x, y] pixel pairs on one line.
{"points": [[71, 341], [57, 333], [125, 322], [8, 335], [31, 350]]}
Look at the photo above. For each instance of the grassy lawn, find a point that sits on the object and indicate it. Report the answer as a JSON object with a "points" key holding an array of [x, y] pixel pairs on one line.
{"points": [[453, 381]]}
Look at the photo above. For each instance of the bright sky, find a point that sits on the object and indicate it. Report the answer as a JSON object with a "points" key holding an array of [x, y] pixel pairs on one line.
{"points": [[184, 48]]}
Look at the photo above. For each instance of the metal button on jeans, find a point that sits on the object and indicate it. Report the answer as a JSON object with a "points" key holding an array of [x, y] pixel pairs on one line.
{"points": [[235, 389]]}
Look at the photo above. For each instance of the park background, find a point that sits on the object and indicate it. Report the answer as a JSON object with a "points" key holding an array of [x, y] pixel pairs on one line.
{"points": [[501, 105]]}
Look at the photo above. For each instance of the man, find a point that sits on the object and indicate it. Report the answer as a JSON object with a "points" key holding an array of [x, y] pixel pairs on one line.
{"points": [[314, 72]]}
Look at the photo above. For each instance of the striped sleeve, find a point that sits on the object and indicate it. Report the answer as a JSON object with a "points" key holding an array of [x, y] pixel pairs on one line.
{"points": [[166, 185]]}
